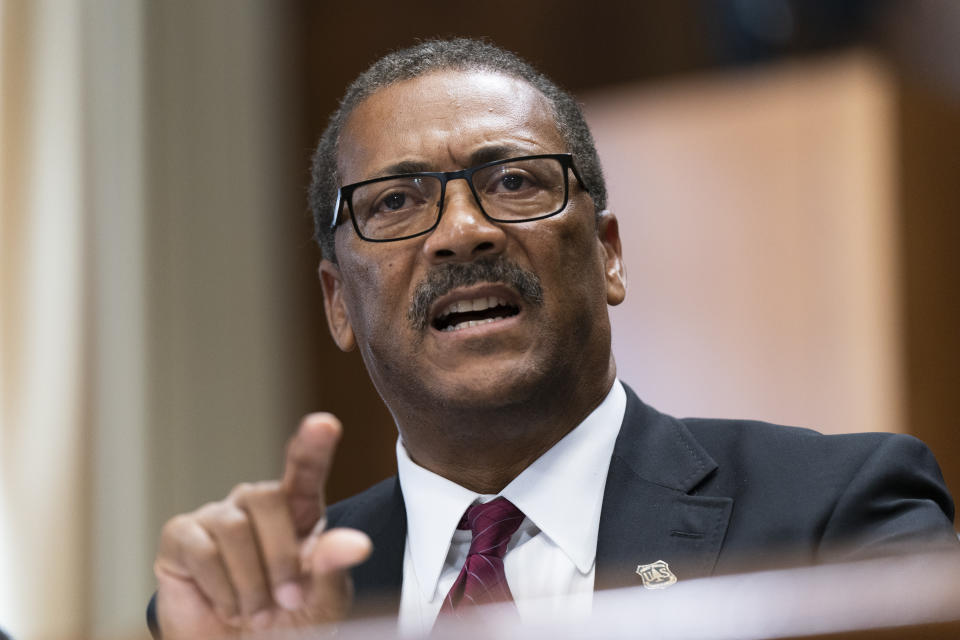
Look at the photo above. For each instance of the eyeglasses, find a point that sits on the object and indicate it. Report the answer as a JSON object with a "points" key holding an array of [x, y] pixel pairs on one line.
{"points": [[408, 205]]}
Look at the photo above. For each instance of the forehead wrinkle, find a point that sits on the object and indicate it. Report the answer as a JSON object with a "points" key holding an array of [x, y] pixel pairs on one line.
{"points": [[447, 125], [483, 155]]}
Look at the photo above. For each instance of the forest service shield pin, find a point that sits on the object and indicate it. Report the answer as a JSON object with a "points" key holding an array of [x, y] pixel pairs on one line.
{"points": [[656, 575]]}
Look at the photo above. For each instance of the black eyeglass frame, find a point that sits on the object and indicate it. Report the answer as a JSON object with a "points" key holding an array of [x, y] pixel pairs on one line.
{"points": [[345, 193]]}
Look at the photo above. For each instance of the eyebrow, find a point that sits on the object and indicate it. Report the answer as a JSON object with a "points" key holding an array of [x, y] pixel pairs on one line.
{"points": [[405, 166], [478, 157], [494, 152]]}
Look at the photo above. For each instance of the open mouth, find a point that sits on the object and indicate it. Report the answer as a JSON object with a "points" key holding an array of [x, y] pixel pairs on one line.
{"points": [[463, 314]]}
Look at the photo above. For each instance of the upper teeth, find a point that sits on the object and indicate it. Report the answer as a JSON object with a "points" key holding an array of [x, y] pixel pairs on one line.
{"points": [[477, 304]]}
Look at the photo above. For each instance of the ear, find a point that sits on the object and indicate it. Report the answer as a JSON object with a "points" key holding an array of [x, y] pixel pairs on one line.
{"points": [[608, 232], [338, 320]]}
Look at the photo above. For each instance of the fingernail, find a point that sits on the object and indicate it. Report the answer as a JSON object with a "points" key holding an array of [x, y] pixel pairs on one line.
{"points": [[289, 595]]}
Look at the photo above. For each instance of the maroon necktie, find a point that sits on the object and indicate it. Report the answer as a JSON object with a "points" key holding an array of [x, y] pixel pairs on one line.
{"points": [[482, 581]]}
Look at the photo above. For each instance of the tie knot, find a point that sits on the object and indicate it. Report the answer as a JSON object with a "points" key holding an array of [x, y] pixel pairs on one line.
{"points": [[491, 524]]}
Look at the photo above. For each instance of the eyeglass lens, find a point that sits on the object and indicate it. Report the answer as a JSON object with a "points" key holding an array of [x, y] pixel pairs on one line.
{"points": [[511, 192]]}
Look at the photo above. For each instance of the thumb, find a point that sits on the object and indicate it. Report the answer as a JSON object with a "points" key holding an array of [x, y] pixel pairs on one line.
{"points": [[326, 559]]}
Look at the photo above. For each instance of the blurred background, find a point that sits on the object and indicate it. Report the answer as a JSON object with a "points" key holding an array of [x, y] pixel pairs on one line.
{"points": [[785, 174]]}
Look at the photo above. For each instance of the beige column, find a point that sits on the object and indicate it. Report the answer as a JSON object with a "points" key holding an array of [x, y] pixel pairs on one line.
{"points": [[44, 515]]}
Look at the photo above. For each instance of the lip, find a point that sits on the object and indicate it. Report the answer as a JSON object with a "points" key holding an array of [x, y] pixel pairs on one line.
{"points": [[491, 289]]}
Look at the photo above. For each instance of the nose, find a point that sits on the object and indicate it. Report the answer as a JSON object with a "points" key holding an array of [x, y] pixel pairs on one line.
{"points": [[463, 233]]}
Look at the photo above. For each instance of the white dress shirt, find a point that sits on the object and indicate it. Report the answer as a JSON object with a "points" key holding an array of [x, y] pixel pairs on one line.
{"points": [[549, 563]]}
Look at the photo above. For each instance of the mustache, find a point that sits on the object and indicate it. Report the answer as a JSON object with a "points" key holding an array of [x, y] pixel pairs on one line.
{"points": [[445, 277]]}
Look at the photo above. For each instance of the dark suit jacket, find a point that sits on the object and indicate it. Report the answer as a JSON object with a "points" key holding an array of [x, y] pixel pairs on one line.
{"points": [[717, 496], [720, 496]]}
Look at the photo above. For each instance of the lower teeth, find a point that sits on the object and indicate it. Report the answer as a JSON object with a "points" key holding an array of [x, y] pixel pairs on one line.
{"points": [[470, 323]]}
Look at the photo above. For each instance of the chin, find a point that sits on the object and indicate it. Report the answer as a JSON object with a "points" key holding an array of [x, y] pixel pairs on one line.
{"points": [[493, 388]]}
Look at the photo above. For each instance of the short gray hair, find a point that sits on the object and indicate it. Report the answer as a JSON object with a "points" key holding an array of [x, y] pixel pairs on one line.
{"points": [[459, 54]]}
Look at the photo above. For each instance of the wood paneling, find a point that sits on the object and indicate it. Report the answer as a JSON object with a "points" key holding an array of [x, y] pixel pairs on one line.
{"points": [[930, 209]]}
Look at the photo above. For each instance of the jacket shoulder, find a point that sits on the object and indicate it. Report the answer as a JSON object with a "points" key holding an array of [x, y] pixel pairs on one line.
{"points": [[857, 495], [762, 447], [366, 510]]}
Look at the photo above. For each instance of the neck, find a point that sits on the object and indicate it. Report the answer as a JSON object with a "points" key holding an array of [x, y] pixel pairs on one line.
{"points": [[485, 449]]}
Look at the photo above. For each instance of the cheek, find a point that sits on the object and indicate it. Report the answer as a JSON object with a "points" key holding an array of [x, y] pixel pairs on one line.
{"points": [[375, 296], [580, 258]]}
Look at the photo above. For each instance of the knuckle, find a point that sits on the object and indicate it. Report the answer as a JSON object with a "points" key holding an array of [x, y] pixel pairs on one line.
{"points": [[176, 527], [203, 552], [210, 512], [260, 493], [265, 490], [241, 490], [232, 525]]}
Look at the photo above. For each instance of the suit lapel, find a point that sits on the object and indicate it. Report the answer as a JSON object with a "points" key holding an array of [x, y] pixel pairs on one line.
{"points": [[377, 581], [649, 512]]}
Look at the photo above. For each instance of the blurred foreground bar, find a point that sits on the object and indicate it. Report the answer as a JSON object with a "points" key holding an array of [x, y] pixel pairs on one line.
{"points": [[906, 597]]}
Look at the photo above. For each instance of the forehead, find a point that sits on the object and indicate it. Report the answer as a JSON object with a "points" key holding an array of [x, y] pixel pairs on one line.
{"points": [[441, 120]]}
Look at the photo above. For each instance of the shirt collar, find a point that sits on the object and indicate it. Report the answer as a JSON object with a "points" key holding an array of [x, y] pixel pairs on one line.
{"points": [[561, 493]]}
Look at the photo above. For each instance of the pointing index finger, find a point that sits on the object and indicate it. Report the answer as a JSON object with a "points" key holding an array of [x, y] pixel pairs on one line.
{"points": [[309, 456]]}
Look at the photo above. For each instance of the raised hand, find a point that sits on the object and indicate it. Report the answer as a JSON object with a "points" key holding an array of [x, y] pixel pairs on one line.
{"points": [[261, 559]]}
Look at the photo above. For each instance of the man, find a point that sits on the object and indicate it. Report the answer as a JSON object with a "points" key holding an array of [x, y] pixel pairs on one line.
{"points": [[469, 256]]}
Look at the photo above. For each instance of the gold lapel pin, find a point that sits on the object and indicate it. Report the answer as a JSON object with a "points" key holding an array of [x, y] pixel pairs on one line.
{"points": [[656, 575]]}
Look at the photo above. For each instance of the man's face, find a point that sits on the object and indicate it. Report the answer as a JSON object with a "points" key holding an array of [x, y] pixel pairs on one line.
{"points": [[447, 121]]}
